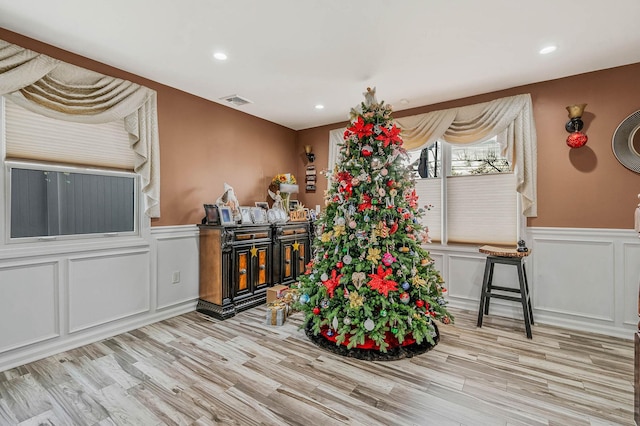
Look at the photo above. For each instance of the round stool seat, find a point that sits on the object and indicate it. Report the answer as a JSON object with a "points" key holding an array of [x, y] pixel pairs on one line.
{"points": [[503, 252]]}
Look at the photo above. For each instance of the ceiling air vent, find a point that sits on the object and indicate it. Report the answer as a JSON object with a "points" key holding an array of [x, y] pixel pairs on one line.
{"points": [[236, 100]]}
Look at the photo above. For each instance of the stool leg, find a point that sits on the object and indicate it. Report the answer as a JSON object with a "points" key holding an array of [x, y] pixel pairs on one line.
{"points": [[483, 292], [526, 286], [491, 264], [523, 298]]}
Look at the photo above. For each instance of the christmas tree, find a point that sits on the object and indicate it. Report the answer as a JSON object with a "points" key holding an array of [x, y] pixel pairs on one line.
{"points": [[370, 285]]}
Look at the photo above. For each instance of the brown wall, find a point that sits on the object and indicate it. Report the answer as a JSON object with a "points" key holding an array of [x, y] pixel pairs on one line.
{"points": [[577, 188], [202, 144]]}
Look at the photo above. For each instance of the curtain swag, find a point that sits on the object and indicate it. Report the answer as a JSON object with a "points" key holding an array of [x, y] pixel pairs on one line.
{"points": [[63, 91], [510, 119]]}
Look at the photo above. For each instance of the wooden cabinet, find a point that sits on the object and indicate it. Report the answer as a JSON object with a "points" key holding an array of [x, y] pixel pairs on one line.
{"points": [[239, 263], [235, 268], [291, 251]]}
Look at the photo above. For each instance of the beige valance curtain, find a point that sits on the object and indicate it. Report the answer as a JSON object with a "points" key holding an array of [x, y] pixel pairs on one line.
{"points": [[510, 119], [63, 91]]}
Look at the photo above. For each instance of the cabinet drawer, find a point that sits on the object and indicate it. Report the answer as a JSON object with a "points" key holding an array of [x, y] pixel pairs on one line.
{"points": [[294, 231], [250, 234]]}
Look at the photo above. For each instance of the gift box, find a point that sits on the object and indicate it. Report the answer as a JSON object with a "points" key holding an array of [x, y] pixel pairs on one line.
{"points": [[290, 297], [276, 313], [276, 292]]}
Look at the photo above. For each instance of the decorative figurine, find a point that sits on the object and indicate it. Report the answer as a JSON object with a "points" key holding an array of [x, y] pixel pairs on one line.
{"points": [[277, 200], [229, 199]]}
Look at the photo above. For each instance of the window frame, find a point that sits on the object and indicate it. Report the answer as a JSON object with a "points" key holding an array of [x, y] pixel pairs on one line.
{"points": [[52, 167]]}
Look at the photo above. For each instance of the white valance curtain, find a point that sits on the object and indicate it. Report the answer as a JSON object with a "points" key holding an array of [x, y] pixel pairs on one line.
{"points": [[63, 91], [510, 119]]}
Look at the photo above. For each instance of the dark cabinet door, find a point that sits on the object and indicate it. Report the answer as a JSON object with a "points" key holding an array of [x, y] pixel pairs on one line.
{"points": [[303, 256], [252, 270], [261, 267], [294, 255], [242, 283]]}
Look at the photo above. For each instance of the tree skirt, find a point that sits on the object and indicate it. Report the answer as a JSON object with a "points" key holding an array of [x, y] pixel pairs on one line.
{"points": [[373, 354]]}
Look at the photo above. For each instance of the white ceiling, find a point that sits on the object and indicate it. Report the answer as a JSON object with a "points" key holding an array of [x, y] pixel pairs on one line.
{"points": [[289, 55]]}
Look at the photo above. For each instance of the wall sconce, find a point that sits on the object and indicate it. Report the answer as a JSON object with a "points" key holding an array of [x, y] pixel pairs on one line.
{"points": [[574, 126], [310, 155]]}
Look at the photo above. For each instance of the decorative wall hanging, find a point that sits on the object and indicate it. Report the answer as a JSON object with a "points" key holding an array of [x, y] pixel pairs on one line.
{"points": [[574, 126], [626, 142]]}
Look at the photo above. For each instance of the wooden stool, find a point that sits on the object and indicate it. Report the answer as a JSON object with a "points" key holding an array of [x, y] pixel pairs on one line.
{"points": [[506, 257]]}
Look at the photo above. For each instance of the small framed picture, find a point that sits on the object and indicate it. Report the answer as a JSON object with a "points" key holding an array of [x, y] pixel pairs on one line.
{"points": [[262, 204], [258, 215], [226, 216], [211, 215], [246, 215], [293, 205]]}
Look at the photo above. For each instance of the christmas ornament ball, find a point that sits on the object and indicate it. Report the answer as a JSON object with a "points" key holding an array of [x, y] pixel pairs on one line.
{"points": [[405, 298], [316, 311], [346, 320], [324, 303], [304, 298], [394, 330], [383, 313], [419, 303], [406, 286], [576, 139], [369, 324]]}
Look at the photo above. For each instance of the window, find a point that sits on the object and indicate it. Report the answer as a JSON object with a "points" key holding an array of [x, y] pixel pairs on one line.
{"points": [[49, 200], [470, 191]]}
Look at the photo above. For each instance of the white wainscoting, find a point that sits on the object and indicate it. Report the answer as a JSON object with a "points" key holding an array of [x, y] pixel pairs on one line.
{"points": [[177, 251], [29, 307], [56, 297], [584, 279]]}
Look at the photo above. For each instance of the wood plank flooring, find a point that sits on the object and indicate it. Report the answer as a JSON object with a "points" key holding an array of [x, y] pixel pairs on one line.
{"points": [[190, 370]]}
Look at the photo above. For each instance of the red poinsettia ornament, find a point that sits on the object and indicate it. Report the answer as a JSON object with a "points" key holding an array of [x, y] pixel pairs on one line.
{"points": [[332, 283], [380, 282], [361, 129], [391, 135]]}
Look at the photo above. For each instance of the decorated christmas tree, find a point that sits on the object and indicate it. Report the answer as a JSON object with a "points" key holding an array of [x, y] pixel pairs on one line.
{"points": [[371, 288]]}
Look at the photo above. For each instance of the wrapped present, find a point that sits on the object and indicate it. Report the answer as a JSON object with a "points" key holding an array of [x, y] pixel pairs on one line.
{"points": [[290, 297], [276, 292], [276, 313]]}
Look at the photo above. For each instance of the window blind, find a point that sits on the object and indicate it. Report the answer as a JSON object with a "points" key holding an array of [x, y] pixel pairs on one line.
{"points": [[482, 209], [429, 193], [37, 137]]}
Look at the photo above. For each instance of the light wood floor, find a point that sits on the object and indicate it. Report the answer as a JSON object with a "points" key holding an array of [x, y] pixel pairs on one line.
{"points": [[189, 370]]}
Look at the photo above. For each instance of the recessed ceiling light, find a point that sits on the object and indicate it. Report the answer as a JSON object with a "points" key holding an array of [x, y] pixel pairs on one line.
{"points": [[319, 106], [548, 49], [220, 56], [404, 101]]}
